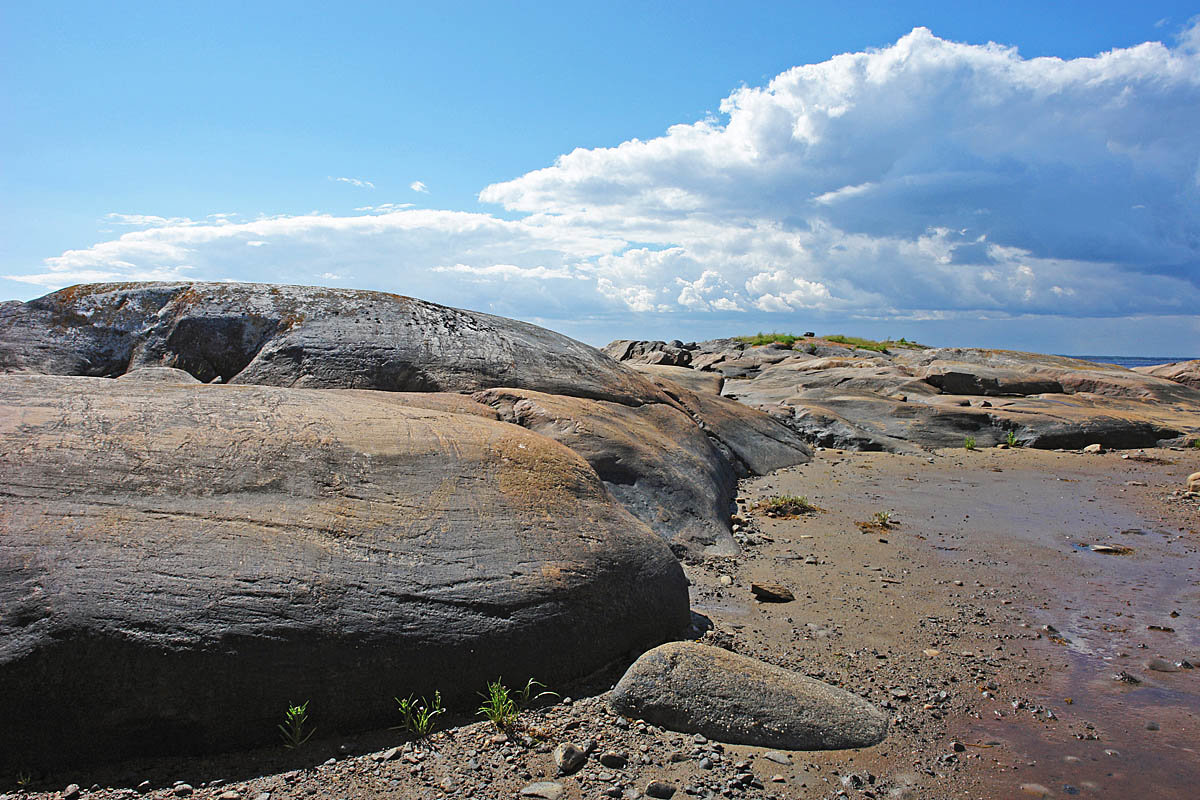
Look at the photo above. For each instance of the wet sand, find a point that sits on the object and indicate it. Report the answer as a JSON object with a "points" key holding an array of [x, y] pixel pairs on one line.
{"points": [[1036, 709]]}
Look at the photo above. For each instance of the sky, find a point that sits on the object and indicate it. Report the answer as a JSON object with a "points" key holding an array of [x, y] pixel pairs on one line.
{"points": [[1022, 175]]}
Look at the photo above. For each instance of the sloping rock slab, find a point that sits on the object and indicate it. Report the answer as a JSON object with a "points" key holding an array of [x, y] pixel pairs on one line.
{"points": [[653, 458], [698, 381], [179, 563], [301, 336], [694, 688], [757, 443]]}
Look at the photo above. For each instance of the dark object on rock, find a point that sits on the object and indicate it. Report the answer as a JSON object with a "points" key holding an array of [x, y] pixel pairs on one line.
{"points": [[772, 592], [179, 563], [693, 688]]}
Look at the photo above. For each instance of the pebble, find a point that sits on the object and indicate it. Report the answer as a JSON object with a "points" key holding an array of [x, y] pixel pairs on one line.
{"points": [[1159, 665], [777, 757], [568, 757], [71, 792], [229, 795], [772, 592], [1037, 789], [182, 790], [544, 790], [613, 759], [660, 790]]}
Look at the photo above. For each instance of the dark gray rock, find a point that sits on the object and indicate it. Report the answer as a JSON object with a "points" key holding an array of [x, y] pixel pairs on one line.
{"points": [[180, 562], [300, 336], [693, 688]]}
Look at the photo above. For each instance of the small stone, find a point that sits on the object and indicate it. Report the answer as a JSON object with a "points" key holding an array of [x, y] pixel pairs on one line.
{"points": [[1036, 789], [614, 760], [725, 580], [569, 758], [1094, 448], [958, 747], [544, 790], [229, 795], [182, 790], [143, 787], [1159, 665], [71, 792], [772, 592], [1152, 726], [660, 790], [777, 757]]}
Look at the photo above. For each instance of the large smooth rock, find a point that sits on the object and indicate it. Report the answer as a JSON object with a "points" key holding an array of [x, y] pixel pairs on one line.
{"points": [[694, 688], [179, 563], [301, 336], [653, 458]]}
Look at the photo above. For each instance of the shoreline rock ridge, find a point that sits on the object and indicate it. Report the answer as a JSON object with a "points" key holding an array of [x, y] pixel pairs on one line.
{"points": [[908, 399]]}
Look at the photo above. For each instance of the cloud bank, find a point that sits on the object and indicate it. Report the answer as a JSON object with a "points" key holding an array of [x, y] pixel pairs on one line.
{"points": [[922, 180]]}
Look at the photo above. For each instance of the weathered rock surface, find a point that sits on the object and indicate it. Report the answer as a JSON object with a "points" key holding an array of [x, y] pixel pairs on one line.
{"points": [[695, 688], [179, 563], [300, 336], [914, 398], [1185, 372], [698, 381], [755, 443], [653, 458], [158, 375]]}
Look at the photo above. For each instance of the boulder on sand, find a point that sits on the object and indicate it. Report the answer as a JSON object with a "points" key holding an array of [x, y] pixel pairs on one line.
{"points": [[695, 688], [179, 563]]}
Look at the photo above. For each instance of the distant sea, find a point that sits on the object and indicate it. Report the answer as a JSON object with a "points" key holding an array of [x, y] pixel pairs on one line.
{"points": [[1135, 361]]}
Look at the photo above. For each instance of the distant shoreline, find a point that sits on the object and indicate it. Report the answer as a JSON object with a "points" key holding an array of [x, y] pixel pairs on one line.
{"points": [[1133, 361]]}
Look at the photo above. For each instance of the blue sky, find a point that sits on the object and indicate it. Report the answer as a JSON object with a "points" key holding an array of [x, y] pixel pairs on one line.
{"points": [[628, 170]]}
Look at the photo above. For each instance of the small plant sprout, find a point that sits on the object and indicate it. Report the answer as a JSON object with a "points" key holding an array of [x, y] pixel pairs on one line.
{"points": [[1010, 439], [498, 707], [24, 778], [527, 696], [419, 715], [295, 730], [883, 519], [502, 707], [969, 443]]}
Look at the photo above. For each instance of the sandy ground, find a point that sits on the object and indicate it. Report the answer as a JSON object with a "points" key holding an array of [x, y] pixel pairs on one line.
{"points": [[980, 618]]}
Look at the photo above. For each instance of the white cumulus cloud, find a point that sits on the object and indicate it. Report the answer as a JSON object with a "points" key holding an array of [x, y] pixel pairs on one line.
{"points": [[924, 180], [419, 186]]}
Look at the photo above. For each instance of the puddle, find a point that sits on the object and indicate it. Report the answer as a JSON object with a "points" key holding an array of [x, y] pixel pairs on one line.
{"points": [[1121, 591]]}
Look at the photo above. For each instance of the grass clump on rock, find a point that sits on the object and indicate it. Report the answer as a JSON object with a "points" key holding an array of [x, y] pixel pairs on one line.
{"points": [[787, 505], [786, 339]]}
